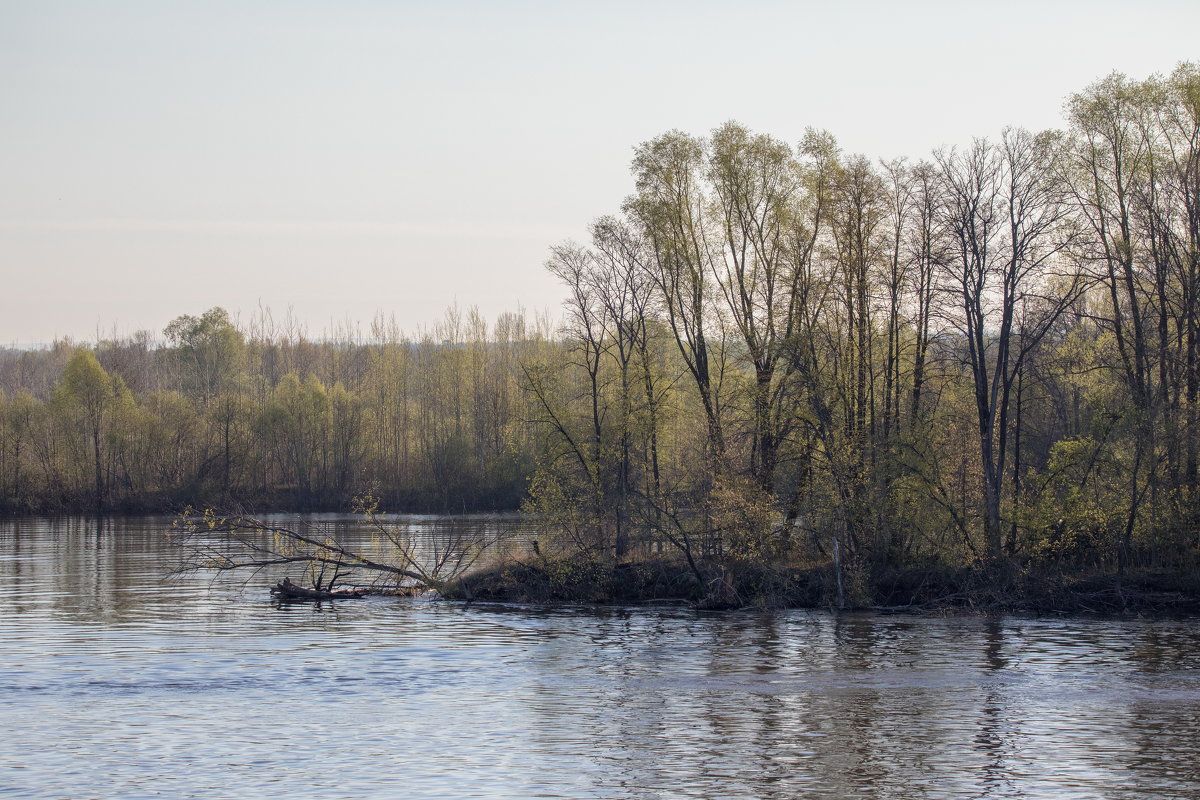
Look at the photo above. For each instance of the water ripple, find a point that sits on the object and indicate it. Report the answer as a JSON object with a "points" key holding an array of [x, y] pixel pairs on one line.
{"points": [[115, 682]]}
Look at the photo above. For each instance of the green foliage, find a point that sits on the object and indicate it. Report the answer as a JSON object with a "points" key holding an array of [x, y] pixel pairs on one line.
{"points": [[1079, 515], [211, 353], [225, 414]]}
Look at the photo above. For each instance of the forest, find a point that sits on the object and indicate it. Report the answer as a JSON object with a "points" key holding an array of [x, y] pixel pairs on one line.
{"points": [[775, 357]]}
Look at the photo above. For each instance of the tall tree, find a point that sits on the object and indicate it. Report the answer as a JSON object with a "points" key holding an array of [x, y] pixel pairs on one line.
{"points": [[670, 207], [91, 393], [1005, 213], [756, 186], [211, 352]]}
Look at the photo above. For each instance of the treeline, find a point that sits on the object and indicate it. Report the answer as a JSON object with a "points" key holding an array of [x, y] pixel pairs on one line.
{"points": [[786, 355], [266, 417], [775, 356]]}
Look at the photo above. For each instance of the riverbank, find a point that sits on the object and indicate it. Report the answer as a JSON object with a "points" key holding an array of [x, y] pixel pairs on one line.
{"points": [[510, 568], [936, 591]]}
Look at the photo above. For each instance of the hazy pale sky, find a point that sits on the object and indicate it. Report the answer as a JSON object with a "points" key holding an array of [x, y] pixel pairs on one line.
{"points": [[341, 158]]}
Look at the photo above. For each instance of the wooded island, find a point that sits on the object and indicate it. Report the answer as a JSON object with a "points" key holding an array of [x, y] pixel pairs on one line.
{"points": [[776, 358]]}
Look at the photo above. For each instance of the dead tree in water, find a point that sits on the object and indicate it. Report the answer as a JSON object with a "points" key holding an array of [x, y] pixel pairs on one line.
{"points": [[392, 557]]}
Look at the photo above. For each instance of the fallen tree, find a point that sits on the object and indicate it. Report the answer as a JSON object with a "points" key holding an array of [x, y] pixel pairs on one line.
{"points": [[286, 590], [389, 556]]}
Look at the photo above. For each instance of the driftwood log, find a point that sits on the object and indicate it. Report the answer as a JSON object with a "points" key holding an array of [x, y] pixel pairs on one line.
{"points": [[287, 590]]}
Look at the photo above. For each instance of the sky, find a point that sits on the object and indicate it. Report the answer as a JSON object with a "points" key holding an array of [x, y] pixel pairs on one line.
{"points": [[339, 160]]}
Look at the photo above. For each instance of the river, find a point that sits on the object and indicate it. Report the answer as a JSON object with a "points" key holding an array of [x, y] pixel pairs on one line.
{"points": [[119, 682]]}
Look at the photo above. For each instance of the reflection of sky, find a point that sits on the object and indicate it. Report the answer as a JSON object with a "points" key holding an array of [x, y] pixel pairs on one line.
{"points": [[189, 688], [426, 153]]}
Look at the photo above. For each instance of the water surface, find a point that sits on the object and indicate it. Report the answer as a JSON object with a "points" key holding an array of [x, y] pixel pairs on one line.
{"points": [[117, 682]]}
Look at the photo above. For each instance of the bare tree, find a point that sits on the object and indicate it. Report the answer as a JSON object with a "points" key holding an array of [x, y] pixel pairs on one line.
{"points": [[1005, 213]]}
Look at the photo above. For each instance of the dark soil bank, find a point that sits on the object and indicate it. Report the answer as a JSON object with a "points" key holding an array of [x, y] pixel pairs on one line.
{"points": [[933, 590]]}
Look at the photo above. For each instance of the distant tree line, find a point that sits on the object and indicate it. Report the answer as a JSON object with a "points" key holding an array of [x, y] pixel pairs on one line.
{"points": [[773, 355], [268, 417]]}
